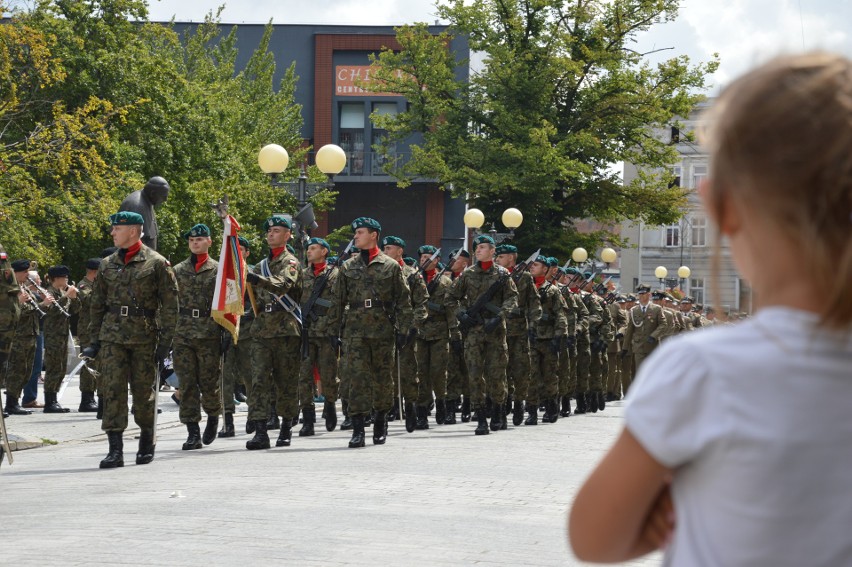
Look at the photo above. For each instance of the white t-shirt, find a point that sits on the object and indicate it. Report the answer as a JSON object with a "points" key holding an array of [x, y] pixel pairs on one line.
{"points": [[756, 421]]}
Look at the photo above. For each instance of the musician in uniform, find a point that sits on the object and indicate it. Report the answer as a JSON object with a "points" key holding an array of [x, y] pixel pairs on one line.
{"points": [[88, 381], [10, 311], [57, 325]]}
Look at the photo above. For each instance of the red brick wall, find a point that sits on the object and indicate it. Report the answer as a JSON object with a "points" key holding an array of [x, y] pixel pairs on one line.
{"points": [[434, 216]]}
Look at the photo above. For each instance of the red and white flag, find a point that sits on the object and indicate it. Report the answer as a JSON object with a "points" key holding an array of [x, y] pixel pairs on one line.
{"points": [[229, 298]]}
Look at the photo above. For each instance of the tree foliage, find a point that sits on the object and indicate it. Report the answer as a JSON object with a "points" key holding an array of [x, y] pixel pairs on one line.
{"points": [[560, 97]]}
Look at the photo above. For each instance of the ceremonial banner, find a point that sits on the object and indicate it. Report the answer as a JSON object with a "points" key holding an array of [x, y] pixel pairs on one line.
{"points": [[228, 300]]}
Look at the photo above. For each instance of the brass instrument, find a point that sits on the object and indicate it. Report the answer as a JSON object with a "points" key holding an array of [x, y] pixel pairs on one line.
{"points": [[44, 292], [32, 300]]}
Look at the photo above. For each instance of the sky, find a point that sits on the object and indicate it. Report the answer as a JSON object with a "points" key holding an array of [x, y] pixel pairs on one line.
{"points": [[743, 32]]}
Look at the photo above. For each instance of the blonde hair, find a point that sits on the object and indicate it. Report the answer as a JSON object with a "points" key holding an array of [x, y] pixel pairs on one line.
{"points": [[780, 139]]}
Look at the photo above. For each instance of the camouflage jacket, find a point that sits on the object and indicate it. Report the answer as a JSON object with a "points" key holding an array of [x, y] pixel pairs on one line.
{"points": [[419, 297], [474, 282], [619, 320], [575, 312], [370, 300], [553, 322], [195, 292], [57, 325], [10, 307], [136, 303], [285, 278], [84, 292], [29, 322], [318, 327], [529, 309], [441, 309], [596, 315]]}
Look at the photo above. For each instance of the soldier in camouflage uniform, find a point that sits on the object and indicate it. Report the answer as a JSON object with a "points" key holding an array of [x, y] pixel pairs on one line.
{"points": [[10, 312], [576, 315], [198, 340], [485, 347], [519, 324], [372, 291], [319, 278], [133, 315], [88, 382], [619, 319], [672, 324], [580, 373], [546, 342], [19, 367], [238, 360], [458, 384], [599, 336], [57, 326], [433, 340], [276, 334], [394, 247]]}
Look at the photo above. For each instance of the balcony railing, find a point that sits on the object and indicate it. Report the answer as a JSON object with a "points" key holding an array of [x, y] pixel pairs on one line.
{"points": [[360, 163]]}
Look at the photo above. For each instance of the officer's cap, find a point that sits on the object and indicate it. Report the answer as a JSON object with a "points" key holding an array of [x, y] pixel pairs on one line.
{"points": [[93, 263], [393, 241], [58, 272], [621, 299], [409, 261], [630, 297], [244, 242], [276, 220], [21, 265], [709, 310], [643, 288], [688, 299], [426, 249], [321, 241], [483, 239], [366, 222], [658, 295], [506, 249], [126, 218], [197, 230]]}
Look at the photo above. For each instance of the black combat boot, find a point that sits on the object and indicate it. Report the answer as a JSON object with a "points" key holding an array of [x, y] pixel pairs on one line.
{"points": [[410, 417], [450, 406], [422, 419], [87, 402], [553, 410], [517, 413], [393, 414], [592, 402], [581, 403], [533, 418], [240, 393], [228, 427], [380, 428], [368, 420], [13, 407], [210, 429], [260, 439], [601, 399], [100, 414], [51, 405], [285, 434], [310, 417], [115, 457], [440, 411], [273, 422], [566, 406], [193, 437], [329, 411], [482, 425], [347, 421], [145, 454], [465, 411], [357, 432], [250, 427], [497, 416]]}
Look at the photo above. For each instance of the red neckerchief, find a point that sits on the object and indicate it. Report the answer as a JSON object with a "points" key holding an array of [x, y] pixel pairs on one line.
{"points": [[318, 268], [430, 275], [275, 252], [512, 269], [456, 274], [132, 250], [486, 265], [200, 259], [401, 263], [375, 252], [574, 289], [539, 280]]}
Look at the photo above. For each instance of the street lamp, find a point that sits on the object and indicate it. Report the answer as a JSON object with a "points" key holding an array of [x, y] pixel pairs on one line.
{"points": [[512, 219], [330, 159], [579, 255], [661, 272], [608, 255], [683, 272]]}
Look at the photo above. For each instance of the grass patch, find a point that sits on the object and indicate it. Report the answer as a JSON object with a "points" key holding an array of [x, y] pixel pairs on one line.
{"points": [[49, 441]]}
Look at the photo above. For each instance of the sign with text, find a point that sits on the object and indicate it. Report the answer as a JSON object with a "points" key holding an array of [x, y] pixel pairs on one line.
{"points": [[348, 81]]}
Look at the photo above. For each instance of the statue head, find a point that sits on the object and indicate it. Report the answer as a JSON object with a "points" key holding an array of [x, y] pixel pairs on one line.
{"points": [[156, 191]]}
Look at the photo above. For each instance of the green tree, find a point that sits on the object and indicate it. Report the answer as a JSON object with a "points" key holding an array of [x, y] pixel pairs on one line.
{"points": [[560, 97]]}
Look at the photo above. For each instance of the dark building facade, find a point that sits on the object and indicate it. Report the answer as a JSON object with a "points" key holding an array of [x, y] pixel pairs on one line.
{"points": [[328, 62]]}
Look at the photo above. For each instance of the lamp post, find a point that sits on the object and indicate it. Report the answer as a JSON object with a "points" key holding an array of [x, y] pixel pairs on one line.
{"points": [[683, 273], [661, 272], [608, 255], [330, 159], [512, 219]]}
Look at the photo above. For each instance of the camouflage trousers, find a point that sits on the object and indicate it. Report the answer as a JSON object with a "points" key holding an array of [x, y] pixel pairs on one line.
{"points": [[321, 356], [628, 371], [458, 383], [545, 364], [486, 357], [567, 366], [434, 356], [580, 376], [237, 365], [88, 383], [518, 371], [198, 366], [274, 362], [120, 365], [19, 367], [406, 373], [597, 369], [55, 361], [613, 373], [369, 366]]}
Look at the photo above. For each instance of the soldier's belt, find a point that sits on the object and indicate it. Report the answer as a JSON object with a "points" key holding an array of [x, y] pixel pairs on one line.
{"points": [[273, 307], [367, 304], [130, 311], [436, 307], [195, 313]]}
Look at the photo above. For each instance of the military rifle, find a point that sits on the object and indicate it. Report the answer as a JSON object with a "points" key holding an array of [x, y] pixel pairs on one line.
{"points": [[473, 313], [308, 314], [524, 266], [430, 287]]}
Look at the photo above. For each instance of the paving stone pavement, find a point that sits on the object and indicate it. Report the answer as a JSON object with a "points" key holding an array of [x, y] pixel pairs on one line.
{"points": [[438, 497]]}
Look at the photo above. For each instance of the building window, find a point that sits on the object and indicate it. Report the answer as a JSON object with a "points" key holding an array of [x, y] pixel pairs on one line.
{"points": [[671, 236], [699, 172], [675, 169], [351, 140], [378, 159], [699, 231], [696, 289]]}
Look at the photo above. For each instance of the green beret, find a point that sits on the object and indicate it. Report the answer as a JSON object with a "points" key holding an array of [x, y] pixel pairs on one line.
{"points": [[393, 241], [463, 253], [573, 271], [197, 230], [276, 220], [319, 241], [440, 267], [126, 217], [552, 262], [58, 272], [93, 263], [410, 261], [243, 242], [426, 249], [506, 249], [366, 222], [332, 259], [291, 250], [483, 239], [544, 260], [562, 271]]}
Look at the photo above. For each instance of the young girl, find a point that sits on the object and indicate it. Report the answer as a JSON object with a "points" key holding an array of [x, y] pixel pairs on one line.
{"points": [[737, 448]]}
